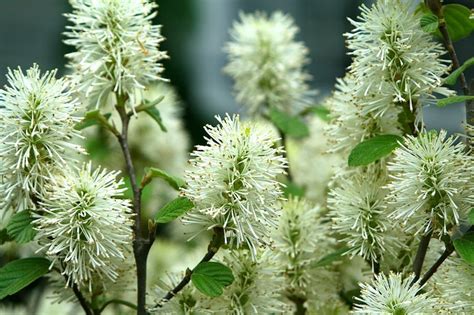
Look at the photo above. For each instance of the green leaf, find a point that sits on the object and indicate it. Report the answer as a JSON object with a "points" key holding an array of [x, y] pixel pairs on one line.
{"points": [[17, 274], [457, 20], [471, 217], [453, 99], [4, 237], [453, 77], [91, 118], [174, 209], [155, 114], [20, 227], [290, 125], [330, 258], [320, 111], [292, 189], [211, 277], [173, 181], [373, 149], [465, 247], [429, 23]]}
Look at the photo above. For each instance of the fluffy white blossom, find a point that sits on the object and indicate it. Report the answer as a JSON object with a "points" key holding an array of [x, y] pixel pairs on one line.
{"points": [[432, 186], [117, 48], [394, 59], [393, 294], [360, 214], [36, 133], [233, 182], [83, 225], [267, 63]]}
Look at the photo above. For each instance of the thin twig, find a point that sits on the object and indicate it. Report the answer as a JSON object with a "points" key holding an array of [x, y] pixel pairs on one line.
{"points": [[421, 254], [448, 251], [82, 300], [214, 245], [117, 301]]}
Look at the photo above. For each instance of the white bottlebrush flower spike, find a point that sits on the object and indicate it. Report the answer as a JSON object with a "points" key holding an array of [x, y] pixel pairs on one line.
{"points": [[395, 295], [432, 186], [84, 226], [232, 182], [360, 214], [117, 48], [36, 133], [394, 58], [267, 64]]}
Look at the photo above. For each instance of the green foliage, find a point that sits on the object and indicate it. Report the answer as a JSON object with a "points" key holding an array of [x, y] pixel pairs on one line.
{"points": [[373, 149], [429, 23], [292, 189], [210, 278], [471, 217], [330, 258], [173, 181], [4, 237], [457, 21], [291, 126], [20, 227], [453, 99], [91, 118], [465, 247], [173, 210], [17, 274], [155, 114], [453, 77], [320, 111]]}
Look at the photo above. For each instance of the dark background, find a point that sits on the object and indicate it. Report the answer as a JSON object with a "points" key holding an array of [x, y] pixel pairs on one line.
{"points": [[196, 31]]}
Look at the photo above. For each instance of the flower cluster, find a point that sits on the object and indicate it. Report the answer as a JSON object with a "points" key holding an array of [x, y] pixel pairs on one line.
{"points": [[117, 48], [233, 182], [83, 225], [36, 134], [267, 64], [431, 185]]}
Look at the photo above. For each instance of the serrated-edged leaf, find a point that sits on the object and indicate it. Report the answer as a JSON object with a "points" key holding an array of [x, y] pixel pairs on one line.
{"points": [[17, 274], [91, 118], [330, 258], [173, 181], [174, 209], [429, 22], [20, 227], [290, 125], [457, 20], [471, 217], [211, 277], [453, 100], [155, 114], [465, 247], [453, 77], [373, 149]]}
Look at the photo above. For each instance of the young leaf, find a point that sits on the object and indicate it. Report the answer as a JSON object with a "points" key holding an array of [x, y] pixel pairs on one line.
{"points": [[373, 149], [471, 217], [211, 277], [290, 125], [429, 23], [17, 274], [465, 247], [453, 77], [20, 227], [328, 259], [173, 181], [91, 118], [155, 114], [457, 20], [453, 99], [173, 210]]}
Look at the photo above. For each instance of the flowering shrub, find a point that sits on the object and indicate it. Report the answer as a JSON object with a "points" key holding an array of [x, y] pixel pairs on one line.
{"points": [[351, 206]]}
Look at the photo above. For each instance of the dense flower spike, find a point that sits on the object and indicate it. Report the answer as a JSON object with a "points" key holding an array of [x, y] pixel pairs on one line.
{"points": [[267, 64], [393, 294], [432, 186], [83, 225], [36, 134], [117, 48], [394, 58], [232, 182], [360, 214]]}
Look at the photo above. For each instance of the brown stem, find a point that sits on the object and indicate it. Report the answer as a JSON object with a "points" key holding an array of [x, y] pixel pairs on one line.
{"points": [[82, 300], [299, 303], [141, 245], [421, 254], [448, 251], [214, 245]]}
